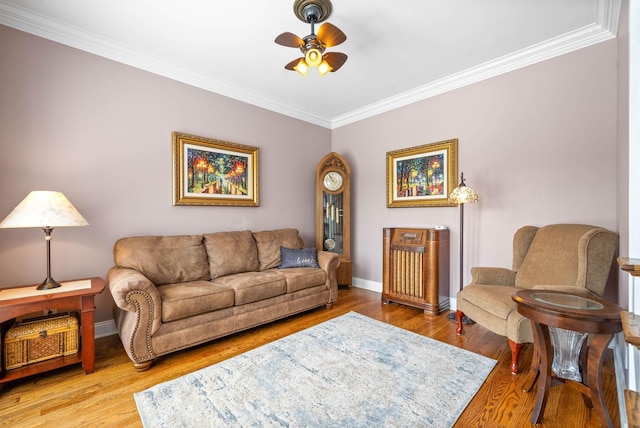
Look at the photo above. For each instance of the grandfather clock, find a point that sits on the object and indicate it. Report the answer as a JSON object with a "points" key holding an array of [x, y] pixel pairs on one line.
{"points": [[333, 212]]}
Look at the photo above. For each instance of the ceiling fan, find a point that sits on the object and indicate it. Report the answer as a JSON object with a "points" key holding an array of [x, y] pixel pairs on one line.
{"points": [[314, 45]]}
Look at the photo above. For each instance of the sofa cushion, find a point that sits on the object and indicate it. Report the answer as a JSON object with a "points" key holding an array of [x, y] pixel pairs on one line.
{"points": [[231, 252], [253, 286], [186, 299], [298, 258], [301, 278], [164, 259], [269, 243]]}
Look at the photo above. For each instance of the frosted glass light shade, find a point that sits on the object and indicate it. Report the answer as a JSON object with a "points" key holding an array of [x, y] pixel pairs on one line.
{"points": [[313, 57], [45, 209], [301, 67], [324, 68], [463, 195]]}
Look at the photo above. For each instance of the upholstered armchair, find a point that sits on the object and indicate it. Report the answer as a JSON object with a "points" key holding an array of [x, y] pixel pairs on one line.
{"points": [[564, 257]]}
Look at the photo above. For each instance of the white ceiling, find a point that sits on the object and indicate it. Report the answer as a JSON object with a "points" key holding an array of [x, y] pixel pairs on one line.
{"points": [[399, 52]]}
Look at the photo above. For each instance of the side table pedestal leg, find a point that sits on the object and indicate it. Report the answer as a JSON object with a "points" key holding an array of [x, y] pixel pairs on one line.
{"points": [[543, 341], [599, 343]]}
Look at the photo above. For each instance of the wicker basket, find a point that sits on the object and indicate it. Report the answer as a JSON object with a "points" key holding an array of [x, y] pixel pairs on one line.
{"points": [[39, 339]]}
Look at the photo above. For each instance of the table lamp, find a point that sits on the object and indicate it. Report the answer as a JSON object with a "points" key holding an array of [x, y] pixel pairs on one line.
{"points": [[48, 210], [462, 195]]}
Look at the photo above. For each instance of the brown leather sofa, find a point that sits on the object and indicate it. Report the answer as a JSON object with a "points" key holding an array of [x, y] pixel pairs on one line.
{"points": [[174, 292]]}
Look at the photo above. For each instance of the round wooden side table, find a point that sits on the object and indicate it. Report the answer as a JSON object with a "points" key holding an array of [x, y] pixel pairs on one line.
{"points": [[561, 321]]}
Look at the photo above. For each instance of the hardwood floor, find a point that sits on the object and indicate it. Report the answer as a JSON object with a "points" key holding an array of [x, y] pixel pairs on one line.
{"points": [[69, 398]]}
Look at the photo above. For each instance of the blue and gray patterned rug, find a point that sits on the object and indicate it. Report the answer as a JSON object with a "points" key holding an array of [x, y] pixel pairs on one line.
{"points": [[351, 371]]}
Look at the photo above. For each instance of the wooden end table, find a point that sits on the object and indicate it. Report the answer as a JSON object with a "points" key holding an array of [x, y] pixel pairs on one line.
{"points": [[73, 295], [561, 322]]}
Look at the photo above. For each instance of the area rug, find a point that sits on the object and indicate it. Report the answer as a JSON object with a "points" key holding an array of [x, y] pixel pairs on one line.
{"points": [[351, 371]]}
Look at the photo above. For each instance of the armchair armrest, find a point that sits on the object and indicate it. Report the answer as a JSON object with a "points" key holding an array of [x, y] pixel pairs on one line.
{"points": [[493, 276], [329, 262]]}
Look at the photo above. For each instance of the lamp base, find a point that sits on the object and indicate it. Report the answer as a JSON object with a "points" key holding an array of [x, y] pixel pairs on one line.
{"points": [[465, 319], [48, 284]]}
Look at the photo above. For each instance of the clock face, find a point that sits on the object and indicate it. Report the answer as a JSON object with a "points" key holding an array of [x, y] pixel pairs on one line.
{"points": [[332, 181]]}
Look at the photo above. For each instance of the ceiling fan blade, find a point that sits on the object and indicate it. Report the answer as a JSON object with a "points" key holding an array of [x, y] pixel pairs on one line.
{"points": [[290, 40], [292, 64], [330, 35], [335, 59]]}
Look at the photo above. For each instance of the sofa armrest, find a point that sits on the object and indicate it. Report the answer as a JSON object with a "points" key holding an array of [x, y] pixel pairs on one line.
{"points": [[493, 276], [330, 262], [141, 314]]}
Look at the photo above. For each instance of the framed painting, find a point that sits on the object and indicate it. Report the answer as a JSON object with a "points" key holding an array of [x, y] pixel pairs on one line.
{"points": [[422, 176], [214, 172]]}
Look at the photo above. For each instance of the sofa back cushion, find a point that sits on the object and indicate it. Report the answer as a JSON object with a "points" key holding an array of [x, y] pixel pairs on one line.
{"points": [[164, 259], [231, 252], [269, 243]]}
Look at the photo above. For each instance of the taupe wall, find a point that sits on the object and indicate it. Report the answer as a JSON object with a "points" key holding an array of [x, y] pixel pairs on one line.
{"points": [[100, 132], [537, 144]]}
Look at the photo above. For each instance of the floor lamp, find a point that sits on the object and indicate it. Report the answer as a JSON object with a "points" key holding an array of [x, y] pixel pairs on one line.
{"points": [[462, 195], [47, 210]]}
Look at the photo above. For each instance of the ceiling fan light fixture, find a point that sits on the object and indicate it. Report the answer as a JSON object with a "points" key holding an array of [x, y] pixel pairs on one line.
{"points": [[324, 68], [313, 57], [301, 67], [313, 46]]}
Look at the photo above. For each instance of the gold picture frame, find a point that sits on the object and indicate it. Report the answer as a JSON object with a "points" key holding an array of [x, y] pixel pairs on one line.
{"points": [[422, 176], [214, 172]]}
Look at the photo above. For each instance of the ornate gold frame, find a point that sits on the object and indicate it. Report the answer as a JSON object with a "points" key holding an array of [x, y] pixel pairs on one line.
{"points": [[214, 172], [422, 176]]}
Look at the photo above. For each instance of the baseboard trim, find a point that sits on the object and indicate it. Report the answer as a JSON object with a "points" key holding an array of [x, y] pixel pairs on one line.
{"points": [[367, 284], [105, 328]]}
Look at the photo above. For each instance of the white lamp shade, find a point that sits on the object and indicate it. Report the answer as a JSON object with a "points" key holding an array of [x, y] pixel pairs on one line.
{"points": [[45, 209]]}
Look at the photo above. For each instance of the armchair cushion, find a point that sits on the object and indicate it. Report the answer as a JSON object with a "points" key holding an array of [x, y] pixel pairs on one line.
{"points": [[493, 299], [552, 257]]}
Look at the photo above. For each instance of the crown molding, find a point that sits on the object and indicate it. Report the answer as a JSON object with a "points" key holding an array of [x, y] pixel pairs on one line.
{"points": [[605, 28], [45, 27]]}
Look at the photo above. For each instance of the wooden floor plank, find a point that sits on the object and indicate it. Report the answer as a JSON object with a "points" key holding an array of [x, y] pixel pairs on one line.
{"points": [[67, 397]]}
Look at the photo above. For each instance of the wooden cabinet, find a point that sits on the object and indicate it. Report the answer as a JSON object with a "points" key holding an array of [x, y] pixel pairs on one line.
{"points": [[415, 268], [333, 212]]}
